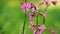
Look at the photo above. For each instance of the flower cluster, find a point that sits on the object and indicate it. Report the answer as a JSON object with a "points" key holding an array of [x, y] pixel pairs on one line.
{"points": [[27, 6], [37, 29], [48, 2]]}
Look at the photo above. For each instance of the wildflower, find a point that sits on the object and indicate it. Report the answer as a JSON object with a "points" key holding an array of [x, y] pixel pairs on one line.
{"points": [[47, 3], [34, 8], [54, 2], [43, 14], [32, 25], [36, 31], [40, 29], [26, 6], [52, 31], [31, 16]]}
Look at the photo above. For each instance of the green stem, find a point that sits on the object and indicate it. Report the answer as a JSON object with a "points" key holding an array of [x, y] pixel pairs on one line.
{"points": [[25, 0], [43, 20], [24, 21], [24, 24], [37, 19], [46, 8]]}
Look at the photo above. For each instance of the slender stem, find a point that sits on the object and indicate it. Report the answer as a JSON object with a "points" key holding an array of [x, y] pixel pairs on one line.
{"points": [[24, 21], [24, 24], [36, 22], [43, 20], [25, 0], [46, 8], [37, 19], [43, 17]]}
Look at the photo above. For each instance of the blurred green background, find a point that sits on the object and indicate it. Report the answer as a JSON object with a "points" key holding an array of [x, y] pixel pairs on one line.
{"points": [[12, 17]]}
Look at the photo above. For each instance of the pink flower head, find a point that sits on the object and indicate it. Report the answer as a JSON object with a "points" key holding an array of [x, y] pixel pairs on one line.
{"points": [[34, 8], [43, 14], [54, 2], [31, 16], [26, 6], [47, 3], [40, 29], [32, 24], [36, 31], [52, 31]]}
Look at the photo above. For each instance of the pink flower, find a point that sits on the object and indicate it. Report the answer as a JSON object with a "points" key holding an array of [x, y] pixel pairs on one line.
{"points": [[40, 29], [54, 2], [31, 16], [52, 31], [43, 14], [47, 3], [34, 8], [32, 25], [26, 6], [36, 31]]}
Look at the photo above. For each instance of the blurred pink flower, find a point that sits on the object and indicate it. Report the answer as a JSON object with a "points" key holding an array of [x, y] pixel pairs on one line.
{"points": [[31, 16], [43, 14], [34, 8], [52, 31], [54, 2], [36, 31], [26, 6], [32, 24], [47, 3], [40, 29]]}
